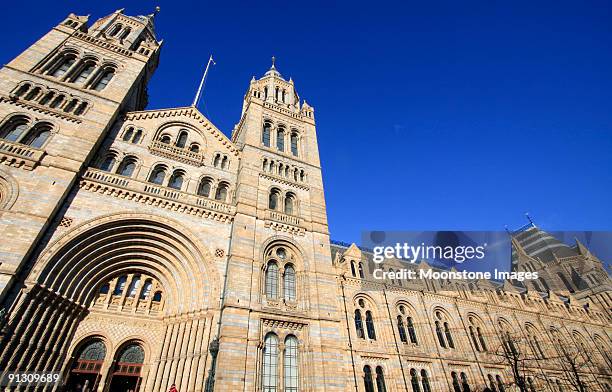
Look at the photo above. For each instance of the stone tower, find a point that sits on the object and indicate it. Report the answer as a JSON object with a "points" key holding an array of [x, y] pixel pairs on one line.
{"points": [[280, 229], [57, 101]]}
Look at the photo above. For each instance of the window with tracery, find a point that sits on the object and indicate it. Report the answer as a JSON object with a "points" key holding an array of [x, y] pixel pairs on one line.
{"points": [[133, 292], [280, 276]]}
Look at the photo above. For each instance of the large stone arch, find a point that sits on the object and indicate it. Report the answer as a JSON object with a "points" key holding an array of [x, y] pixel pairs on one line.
{"points": [[9, 190]]}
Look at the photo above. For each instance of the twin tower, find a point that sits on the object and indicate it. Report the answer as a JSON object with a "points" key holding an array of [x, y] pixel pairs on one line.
{"points": [[145, 248]]}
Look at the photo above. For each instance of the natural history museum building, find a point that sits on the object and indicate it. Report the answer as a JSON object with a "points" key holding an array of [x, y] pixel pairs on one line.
{"points": [[145, 248]]}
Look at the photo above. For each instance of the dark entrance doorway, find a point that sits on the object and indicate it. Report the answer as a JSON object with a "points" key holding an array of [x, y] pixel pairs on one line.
{"points": [[125, 376], [85, 371]]}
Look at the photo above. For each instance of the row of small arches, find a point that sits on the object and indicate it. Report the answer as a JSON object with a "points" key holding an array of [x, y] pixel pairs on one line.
{"points": [[87, 71], [24, 130], [285, 202], [159, 175], [118, 31], [135, 290], [283, 170], [51, 98], [181, 141]]}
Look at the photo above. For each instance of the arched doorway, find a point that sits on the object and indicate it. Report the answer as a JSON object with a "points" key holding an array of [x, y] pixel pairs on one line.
{"points": [[85, 371], [125, 373]]}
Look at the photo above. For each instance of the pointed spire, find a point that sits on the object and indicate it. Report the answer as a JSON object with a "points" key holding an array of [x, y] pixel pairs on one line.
{"points": [[273, 71], [582, 249]]}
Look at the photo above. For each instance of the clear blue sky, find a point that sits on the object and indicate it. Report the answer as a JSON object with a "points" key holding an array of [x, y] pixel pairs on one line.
{"points": [[430, 115]]}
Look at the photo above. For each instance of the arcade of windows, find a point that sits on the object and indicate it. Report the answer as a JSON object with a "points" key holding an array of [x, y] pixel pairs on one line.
{"points": [[443, 331], [357, 267], [460, 382], [50, 98], [284, 202], [284, 170], [136, 292], [405, 327], [181, 141], [86, 71], [475, 329], [23, 130], [368, 379], [161, 175], [118, 31], [496, 383], [285, 141], [280, 275], [363, 311], [419, 379]]}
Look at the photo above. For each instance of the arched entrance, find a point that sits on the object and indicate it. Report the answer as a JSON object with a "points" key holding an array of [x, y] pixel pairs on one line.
{"points": [[125, 374], [85, 371]]}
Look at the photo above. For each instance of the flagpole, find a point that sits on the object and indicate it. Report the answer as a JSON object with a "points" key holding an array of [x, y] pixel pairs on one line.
{"points": [[197, 96]]}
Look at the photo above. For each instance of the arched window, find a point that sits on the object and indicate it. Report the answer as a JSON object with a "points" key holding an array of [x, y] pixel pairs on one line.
{"points": [[37, 136], [289, 283], [492, 385], [157, 297], [194, 148], [414, 381], [367, 379], [127, 136], [411, 330], [440, 335], [127, 167], [22, 89], [57, 101], [84, 73], [71, 105], [273, 199], [464, 382], [265, 138], [294, 144], [290, 373], [280, 139], [380, 380], [224, 162], [137, 136], [272, 280], [353, 269], [120, 286], [456, 386], [359, 324], [425, 381], [14, 129], [146, 290], [108, 163], [115, 30], [64, 66], [269, 379], [473, 337], [132, 353], [165, 139], [289, 202], [176, 180], [205, 186], [401, 329], [33, 94], [481, 339], [361, 273], [125, 33], [221, 194], [217, 160], [449, 338], [134, 286], [81, 109], [370, 325], [182, 140], [158, 175], [500, 383], [104, 80]]}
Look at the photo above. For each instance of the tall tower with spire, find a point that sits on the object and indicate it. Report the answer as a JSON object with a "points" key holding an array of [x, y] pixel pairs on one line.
{"points": [[57, 101]]}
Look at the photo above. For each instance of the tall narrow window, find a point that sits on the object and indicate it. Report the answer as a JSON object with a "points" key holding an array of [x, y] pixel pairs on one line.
{"points": [[37, 137], [115, 30], [120, 286], [64, 66], [176, 181], [272, 280], [481, 339], [127, 167], [359, 324], [146, 290], [425, 381], [401, 329], [265, 138], [464, 382], [500, 384], [440, 335], [367, 379], [492, 385], [104, 80], [280, 140], [85, 72], [127, 136], [204, 188], [221, 193], [294, 144], [290, 373], [13, 130], [353, 269], [380, 380], [456, 385], [414, 381], [370, 325], [289, 283], [289, 201], [134, 286], [361, 273], [157, 176], [125, 33], [449, 338], [137, 136], [182, 140], [411, 330], [273, 200], [473, 337], [108, 163], [270, 364]]}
